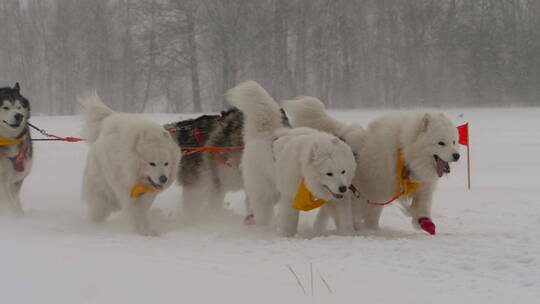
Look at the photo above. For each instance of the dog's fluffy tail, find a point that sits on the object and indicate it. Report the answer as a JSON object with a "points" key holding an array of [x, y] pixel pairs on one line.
{"points": [[261, 112], [310, 112], [94, 112]]}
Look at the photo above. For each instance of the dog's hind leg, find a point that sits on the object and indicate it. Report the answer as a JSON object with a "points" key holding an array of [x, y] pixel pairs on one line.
{"points": [[262, 198], [99, 203], [99, 206], [216, 198], [192, 199], [263, 206], [372, 216]]}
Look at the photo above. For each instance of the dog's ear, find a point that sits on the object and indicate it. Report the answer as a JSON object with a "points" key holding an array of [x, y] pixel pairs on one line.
{"points": [[16, 87], [139, 140], [313, 151], [426, 121]]}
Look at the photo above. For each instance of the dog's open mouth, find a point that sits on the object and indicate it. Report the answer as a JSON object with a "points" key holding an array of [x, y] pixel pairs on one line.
{"points": [[154, 185], [335, 195], [14, 126], [441, 166]]}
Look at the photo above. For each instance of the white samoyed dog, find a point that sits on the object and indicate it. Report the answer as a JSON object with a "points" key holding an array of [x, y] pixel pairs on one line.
{"points": [[425, 143], [130, 160], [276, 160]]}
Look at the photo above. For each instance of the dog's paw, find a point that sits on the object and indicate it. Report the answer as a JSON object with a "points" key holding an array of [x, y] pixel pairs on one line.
{"points": [[249, 220], [346, 231], [427, 225], [17, 211], [148, 232]]}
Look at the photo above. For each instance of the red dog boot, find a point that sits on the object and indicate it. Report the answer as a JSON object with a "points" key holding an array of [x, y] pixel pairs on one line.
{"points": [[427, 225], [249, 220]]}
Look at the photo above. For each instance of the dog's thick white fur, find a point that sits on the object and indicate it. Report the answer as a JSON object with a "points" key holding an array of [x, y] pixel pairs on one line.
{"points": [[125, 151], [428, 142], [275, 160]]}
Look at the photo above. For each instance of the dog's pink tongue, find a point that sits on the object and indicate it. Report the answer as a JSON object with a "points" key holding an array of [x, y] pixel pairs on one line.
{"points": [[442, 167], [427, 225]]}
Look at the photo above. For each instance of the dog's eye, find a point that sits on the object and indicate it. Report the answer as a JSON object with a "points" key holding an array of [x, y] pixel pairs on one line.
{"points": [[343, 172], [166, 164], [152, 164], [5, 108], [442, 143], [330, 174]]}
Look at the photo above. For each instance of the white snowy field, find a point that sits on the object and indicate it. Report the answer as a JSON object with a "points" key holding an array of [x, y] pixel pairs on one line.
{"points": [[486, 250]]}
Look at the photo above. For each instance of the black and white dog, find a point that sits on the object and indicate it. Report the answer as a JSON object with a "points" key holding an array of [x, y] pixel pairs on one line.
{"points": [[207, 176], [15, 146]]}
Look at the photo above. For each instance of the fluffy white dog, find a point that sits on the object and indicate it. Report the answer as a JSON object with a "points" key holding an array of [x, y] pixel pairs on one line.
{"points": [[276, 160], [130, 160], [418, 145]]}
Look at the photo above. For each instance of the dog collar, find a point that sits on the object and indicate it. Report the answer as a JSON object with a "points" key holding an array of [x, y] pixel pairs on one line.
{"points": [[139, 190], [10, 142], [304, 200]]}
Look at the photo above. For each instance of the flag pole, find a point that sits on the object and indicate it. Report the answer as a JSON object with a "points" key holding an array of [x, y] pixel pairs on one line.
{"points": [[469, 161]]}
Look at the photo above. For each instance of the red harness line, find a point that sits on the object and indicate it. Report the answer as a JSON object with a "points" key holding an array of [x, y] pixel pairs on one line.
{"points": [[215, 151], [196, 133]]}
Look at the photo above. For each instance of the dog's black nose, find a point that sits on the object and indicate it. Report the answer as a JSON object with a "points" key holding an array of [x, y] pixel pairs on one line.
{"points": [[456, 156], [18, 117], [343, 189], [163, 179]]}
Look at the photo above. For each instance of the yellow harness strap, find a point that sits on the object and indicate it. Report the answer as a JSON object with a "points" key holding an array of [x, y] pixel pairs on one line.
{"points": [[140, 190], [407, 186], [10, 142], [304, 200]]}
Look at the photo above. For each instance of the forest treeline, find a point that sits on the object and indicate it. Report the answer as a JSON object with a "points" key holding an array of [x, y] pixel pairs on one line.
{"points": [[182, 55]]}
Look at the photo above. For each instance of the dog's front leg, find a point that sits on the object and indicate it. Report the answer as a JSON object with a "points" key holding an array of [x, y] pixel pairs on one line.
{"points": [[16, 198], [10, 193], [344, 216], [138, 213], [288, 217], [421, 208], [321, 221]]}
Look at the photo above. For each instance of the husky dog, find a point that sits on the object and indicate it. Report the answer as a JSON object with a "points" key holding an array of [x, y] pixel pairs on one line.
{"points": [[278, 161], [15, 146], [206, 176], [427, 142], [130, 160]]}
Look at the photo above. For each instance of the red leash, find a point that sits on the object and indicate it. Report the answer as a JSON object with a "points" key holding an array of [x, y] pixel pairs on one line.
{"points": [[54, 137]]}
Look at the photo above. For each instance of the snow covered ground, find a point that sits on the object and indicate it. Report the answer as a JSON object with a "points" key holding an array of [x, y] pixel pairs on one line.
{"points": [[487, 249]]}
